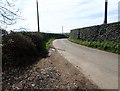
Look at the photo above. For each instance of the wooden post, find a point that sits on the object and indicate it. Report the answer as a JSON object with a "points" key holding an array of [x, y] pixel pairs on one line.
{"points": [[37, 16], [62, 29], [106, 6], [119, 11]]}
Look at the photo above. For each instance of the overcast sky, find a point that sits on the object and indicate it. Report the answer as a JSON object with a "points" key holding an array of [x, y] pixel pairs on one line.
{"points": [[70, 14]]}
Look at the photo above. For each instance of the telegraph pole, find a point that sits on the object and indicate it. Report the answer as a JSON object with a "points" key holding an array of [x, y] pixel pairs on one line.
{"points": [[119, 11], [62, 29], [106, 6], [38, 16]]}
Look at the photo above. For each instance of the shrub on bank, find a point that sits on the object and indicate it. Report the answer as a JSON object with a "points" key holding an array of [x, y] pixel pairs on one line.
{"points": [[21, 48], [39, 40], [18, 49]]}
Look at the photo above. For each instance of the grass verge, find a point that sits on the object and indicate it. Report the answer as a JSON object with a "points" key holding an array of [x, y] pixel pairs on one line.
{"points": [[48, 43], [109, 46]]}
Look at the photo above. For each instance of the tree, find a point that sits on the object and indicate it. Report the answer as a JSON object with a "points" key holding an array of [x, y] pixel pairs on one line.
{"points": [[8, 12]]}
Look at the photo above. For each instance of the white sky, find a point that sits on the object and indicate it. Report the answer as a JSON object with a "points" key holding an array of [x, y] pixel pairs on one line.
{"points": [[68, 13]]}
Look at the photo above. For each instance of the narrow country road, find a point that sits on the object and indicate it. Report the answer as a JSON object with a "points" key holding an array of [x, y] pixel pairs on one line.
{"points": [[99, 66]]}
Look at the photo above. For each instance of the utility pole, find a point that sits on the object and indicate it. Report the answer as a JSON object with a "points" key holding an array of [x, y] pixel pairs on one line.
{"points": [[106, 6], [62, 29], [37, 16], [119, 11]]}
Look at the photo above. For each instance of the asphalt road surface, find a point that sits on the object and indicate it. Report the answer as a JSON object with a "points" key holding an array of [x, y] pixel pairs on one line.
{"points": [[99, 66]]}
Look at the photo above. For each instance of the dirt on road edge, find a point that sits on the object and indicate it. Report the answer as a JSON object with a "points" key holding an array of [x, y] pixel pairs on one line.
{"points": [[71, 74]]}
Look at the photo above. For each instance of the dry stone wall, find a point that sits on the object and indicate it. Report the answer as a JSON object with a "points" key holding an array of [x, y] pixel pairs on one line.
{"points": [[104, 32]]}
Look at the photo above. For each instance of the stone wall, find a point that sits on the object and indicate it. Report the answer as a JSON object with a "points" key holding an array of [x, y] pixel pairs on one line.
{"points": [[104, 32]]}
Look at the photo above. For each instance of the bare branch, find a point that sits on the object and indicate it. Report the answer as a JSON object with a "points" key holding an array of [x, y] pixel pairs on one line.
{"points": [[8, 14]]}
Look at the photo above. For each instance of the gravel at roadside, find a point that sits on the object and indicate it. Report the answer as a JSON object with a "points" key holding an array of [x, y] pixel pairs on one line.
{"points": [[53, 72]]}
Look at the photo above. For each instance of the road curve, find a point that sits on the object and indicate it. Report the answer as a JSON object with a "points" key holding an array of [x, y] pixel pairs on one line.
{"points": [[99, 66]]}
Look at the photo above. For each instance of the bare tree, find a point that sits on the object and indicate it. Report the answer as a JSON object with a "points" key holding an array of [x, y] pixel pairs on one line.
{"points": [[8, 12]]}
